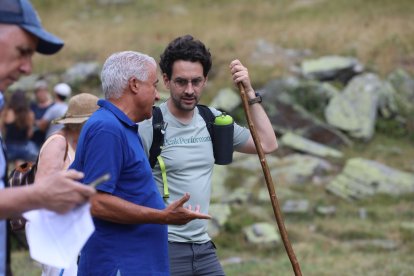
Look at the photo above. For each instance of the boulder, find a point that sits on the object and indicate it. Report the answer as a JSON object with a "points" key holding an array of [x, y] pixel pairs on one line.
{"points": [[362, 178], [332, 68], [355, 109]]}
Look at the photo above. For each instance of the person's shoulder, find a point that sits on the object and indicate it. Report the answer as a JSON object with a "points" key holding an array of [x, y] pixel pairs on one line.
{"points": [[54, 140], [102, 119]]}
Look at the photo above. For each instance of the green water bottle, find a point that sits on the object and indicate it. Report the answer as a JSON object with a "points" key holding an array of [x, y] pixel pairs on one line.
{"points": [[223, 130]]}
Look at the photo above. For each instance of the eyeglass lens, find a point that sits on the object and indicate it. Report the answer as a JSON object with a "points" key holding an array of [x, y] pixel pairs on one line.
{"points": [[197, 82]]}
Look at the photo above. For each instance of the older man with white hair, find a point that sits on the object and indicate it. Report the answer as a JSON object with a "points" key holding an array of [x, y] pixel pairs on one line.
{"points": [[129, 212]]}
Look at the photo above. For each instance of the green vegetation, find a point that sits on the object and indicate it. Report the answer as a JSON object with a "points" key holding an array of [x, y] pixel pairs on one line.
{"points": [[379, 33]]}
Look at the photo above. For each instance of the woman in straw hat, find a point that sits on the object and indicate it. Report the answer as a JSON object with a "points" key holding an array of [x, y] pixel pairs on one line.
{"points": [[58, 151]]}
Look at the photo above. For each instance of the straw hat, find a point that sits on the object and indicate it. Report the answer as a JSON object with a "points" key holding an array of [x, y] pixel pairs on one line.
{"points": [[80, 108]]}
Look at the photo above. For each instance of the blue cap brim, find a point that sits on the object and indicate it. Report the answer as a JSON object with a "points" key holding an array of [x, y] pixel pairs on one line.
{"points": [[48, 43]]}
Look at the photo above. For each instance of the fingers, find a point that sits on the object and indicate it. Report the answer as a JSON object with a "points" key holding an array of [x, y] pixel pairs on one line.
{"points": [[240, 74], [182, 200], [73, 174], [202, 216], [84, 191], [196, 213]]}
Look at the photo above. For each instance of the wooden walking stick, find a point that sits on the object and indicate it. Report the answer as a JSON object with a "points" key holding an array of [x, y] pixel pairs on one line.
{"points": [[269, 183]]}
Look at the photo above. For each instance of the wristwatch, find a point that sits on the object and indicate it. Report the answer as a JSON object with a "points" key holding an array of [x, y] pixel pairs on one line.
{"points": [[257, 99]]}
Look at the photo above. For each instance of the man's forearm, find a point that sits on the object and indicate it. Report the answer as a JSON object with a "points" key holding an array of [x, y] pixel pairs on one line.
{"points": [[264, 128], [15, 201], [115, 209]]}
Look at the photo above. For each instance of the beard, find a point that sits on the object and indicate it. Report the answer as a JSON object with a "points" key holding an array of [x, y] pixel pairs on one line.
{"points": [[180, 102]]}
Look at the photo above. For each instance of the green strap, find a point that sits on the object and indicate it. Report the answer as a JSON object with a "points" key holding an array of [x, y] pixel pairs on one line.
{"points": [[164, 176]]}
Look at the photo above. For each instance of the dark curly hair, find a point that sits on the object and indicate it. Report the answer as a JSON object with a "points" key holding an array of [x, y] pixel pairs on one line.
{"points": [[185, 48]]}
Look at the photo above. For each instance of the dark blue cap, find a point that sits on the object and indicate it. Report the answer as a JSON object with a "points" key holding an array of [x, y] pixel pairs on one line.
{"points": [[22, 14]]}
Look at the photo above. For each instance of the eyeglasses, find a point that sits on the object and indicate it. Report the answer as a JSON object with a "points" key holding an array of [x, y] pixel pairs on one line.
{"points": [[183, 83]]}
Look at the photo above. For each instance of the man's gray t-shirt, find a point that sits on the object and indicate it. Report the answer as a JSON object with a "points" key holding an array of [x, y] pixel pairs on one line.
{"points": [[189, 161]]}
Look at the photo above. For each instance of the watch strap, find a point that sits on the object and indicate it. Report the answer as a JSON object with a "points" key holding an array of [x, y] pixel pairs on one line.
{"points": [[257, 99]]}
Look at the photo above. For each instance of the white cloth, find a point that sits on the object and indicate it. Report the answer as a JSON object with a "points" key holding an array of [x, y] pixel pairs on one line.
{"points": [[56, 239]]}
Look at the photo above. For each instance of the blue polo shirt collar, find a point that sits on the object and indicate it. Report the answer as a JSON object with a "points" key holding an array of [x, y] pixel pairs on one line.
{"points": [[117, 112]]}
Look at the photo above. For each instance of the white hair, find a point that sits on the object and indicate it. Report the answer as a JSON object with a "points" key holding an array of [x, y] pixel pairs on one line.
{"points": [[120, 67]]}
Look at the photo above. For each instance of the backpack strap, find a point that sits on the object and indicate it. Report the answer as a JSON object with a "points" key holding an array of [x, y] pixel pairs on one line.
{"points": [[158, 127], [66, 150], [208, 117]]}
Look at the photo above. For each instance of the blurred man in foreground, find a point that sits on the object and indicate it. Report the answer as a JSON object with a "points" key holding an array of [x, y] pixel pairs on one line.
{"points": [[21, 35]]}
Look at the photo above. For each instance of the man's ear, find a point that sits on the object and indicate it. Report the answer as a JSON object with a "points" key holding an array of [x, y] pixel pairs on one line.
{"points": [[166, 81], [133, 84]]}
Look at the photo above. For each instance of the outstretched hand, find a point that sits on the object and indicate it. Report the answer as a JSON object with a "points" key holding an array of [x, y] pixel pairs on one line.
{"points": [[177, 214]]}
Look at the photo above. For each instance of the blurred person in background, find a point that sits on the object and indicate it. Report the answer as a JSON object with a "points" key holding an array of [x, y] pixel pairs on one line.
{"points": [[17, 129], [21, 35], [42, 102], [61, 92], [58, 152]]}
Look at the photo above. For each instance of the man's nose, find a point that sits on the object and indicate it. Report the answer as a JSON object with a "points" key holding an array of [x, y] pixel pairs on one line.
{"points": [[26, 66], [157, 95], [189, 88]]}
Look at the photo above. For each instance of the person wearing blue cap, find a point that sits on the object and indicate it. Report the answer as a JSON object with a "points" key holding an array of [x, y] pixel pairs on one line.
{"points": [[21, 35]]}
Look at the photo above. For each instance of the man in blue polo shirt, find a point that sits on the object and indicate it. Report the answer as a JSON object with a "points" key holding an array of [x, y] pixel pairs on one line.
{"points": [[129, 214]]}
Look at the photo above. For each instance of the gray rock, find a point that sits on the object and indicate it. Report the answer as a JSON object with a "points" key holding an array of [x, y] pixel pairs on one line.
{"points": [[325, 210], [299, 143], [362, 178], [220, 214], [299, 169], [296, 206], [266, 53], [288, 116], [355, 109], [262, 234], [239, 195], [226, 100], [218, 189], [82, 72], [331, 68], [27, 83]]}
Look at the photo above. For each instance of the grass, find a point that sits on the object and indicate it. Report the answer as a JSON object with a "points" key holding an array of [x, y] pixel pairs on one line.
{"points": [[379, 33], [323, 245]]}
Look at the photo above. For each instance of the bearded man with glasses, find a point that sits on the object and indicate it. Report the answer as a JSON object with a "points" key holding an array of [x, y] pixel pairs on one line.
{"points": [[187, 154]]}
